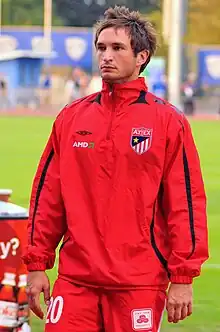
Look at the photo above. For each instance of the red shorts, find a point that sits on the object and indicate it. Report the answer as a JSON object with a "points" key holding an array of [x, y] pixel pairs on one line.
{"points": [[76, 308]]}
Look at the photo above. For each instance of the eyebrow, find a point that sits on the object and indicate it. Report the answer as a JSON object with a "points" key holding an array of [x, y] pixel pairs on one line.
{"points": [[114, 44]]}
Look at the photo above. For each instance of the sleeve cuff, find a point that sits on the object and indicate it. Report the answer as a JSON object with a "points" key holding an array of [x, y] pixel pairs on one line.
{"points": [[36, 267], [181, 279]]}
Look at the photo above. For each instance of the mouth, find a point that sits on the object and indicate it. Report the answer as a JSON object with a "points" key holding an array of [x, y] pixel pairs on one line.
{"points": [[107, 68]]}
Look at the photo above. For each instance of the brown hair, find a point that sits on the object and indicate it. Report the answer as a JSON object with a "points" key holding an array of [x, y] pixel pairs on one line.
{"points": [[141, 32]]}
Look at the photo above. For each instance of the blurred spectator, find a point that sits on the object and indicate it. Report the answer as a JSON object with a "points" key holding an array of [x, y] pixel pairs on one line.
{"points": [[189, 93], [68, 90], [4, 100], [83, 85], [76, 85], [46, 89], [159, 87], [95, 84]]}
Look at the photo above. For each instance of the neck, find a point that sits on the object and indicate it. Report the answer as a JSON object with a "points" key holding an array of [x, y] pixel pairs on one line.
{"points": [[121, 81], [135, 85]]}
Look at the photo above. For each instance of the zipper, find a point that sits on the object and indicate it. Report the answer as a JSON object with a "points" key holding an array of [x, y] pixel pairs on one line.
{"points": [[111, 94]]}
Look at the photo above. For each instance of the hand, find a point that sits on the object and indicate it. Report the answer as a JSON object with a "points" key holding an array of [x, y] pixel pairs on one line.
{"points": [[37, 282], [179, 302]]}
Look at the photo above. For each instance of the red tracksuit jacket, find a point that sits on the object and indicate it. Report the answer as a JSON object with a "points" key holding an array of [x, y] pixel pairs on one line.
{"points": [[120, 179]]}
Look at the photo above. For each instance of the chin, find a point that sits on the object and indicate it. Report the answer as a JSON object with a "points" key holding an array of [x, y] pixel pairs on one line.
{"points": [[108, 77]]}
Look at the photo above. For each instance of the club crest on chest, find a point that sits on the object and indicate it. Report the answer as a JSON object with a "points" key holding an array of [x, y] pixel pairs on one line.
{"points": [[141, 139]]}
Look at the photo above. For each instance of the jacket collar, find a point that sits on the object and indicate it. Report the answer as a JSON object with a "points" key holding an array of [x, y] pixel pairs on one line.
{"points": [[135, 86]]}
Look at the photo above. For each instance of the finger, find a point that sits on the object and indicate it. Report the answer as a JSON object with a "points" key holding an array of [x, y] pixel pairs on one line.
{"points": [[189, 309], [170, 312], [184, 312], [28, 289], [34, 304], [46, 291], [177, 313]]}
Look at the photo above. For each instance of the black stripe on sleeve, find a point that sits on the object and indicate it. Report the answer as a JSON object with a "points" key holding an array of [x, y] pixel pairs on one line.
{"points": [[39, 189], [189, 201], [155, 247]]}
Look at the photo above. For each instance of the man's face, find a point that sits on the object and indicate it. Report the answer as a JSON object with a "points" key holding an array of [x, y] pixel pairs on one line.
{"points": [[116, 59]]}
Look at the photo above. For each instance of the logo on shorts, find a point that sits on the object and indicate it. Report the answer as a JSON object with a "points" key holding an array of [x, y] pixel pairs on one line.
{"points": [[142, 319], [141, 139]]}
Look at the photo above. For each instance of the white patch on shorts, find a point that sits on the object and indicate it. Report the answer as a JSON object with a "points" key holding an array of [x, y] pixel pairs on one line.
{"points": [[142, 319]]}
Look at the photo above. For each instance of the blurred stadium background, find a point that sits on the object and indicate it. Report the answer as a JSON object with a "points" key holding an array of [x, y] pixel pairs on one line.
{"points": [[47, 60], [47, 56]]}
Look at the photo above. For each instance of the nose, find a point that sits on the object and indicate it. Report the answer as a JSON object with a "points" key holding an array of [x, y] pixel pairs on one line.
{"points": [[107, 56]]}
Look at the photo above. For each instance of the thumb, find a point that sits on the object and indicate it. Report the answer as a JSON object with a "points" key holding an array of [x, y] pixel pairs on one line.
{"points": [[47, 295]]}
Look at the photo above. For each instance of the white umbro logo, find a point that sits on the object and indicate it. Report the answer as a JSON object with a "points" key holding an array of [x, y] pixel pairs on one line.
{"points": [[142, 319]]}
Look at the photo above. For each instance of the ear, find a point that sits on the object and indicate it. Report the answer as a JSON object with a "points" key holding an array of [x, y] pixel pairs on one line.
{"points": [[142, 57]]}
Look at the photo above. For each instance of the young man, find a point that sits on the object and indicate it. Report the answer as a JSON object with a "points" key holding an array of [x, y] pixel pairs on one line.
{"points": [[120, 179]]}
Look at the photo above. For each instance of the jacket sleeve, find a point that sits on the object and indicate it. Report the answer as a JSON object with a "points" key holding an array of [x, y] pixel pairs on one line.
{"points": [[47, 223], [184, 203]]}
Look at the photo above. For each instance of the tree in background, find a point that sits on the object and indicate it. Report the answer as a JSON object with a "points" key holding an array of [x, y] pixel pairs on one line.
{"points": [[87, 12], [155, 18], [79, 12], [203, 16], [25, 12], [203, 22]]}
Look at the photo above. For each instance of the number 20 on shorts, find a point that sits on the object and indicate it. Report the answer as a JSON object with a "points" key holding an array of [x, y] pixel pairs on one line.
{"points": [[55, 310]]}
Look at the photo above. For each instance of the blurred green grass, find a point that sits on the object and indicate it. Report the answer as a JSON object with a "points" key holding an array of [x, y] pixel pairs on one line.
{"points": [[22, 140]]}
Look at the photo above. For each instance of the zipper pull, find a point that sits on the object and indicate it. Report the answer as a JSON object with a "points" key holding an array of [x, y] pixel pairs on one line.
{"points": [[111, 91]]}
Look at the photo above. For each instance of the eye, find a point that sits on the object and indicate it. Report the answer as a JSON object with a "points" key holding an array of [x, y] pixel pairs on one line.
{"points": [[101, 48], [117, 48]]}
